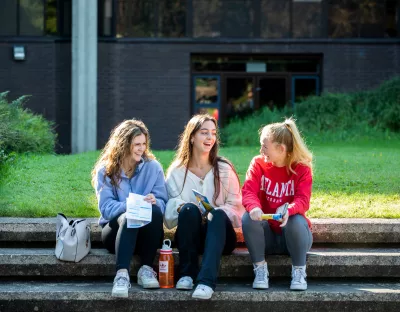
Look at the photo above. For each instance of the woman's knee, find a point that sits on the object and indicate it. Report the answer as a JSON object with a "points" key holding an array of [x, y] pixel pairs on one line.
{"points": [[296, 225], [217, 217], [248, 223], [189, 213]]}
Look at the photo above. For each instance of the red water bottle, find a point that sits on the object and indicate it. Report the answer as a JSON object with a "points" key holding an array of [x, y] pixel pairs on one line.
{"points": [[166, 266]]}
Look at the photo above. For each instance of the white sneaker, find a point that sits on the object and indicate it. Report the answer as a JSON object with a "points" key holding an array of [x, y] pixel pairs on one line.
{"points": [[202, 292], [185, 282], [147, 278], [298, 279], [261, 281], [121, 285]]}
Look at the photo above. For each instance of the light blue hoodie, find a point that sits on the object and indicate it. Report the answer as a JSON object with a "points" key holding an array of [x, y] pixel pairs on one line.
{"points": [[148, 178]]}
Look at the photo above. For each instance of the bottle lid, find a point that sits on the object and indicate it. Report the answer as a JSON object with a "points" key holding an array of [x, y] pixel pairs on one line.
{"points": [[165, 247]]}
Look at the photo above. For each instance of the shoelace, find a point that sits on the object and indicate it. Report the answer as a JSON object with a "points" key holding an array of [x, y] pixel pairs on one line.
{"points": [[150, 273], [122, 281], [186, 279], [298, 274], [260, 273], [202, 287]]}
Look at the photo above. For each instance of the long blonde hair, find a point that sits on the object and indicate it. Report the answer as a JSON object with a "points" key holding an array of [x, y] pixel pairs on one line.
{"points": [[184, 152], [286, 133], [118, 147]]}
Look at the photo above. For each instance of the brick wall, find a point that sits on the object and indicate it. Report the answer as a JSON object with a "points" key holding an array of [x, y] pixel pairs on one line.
{"points": [[151, 81]]}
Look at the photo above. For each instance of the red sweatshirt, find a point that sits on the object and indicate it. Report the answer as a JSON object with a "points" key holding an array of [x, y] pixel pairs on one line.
{"points": [[269, 187]]}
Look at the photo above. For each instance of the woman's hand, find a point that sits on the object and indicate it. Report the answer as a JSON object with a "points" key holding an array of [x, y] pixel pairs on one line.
{"points": [[150, 198], [256, 214], [284, 219], [180, 207]]}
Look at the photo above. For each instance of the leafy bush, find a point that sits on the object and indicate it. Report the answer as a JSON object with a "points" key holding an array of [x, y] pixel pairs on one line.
{"points": [[245, 131], [384, 104], [330, 117], [22, 131]]}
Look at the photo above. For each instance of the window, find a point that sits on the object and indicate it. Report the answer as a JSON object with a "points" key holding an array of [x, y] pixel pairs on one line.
{"points": [[171, 18], [8, 18], [151, 18], [206, 90], [360, 18], [275, 18], [65, 18], [105, 22], [51, 27], [219, 18], [307, 18], [392, 10], [47, 17], [135, 18], [31, 17], [206, 95], [238, 63]]}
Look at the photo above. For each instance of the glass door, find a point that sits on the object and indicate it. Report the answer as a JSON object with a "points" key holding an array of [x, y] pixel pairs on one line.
{"points": [[272, 92], [239, 96], [206, 95], [303, 87]]}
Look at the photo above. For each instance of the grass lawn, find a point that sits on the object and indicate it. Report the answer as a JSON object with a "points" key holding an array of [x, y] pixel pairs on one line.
{"points": [[350, 181]]}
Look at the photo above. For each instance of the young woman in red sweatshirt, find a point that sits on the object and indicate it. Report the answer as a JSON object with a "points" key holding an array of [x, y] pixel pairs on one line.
{"points": [[281, 174]]}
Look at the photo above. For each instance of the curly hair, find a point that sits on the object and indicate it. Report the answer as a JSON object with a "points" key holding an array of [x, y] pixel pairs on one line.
{"points": [[118, 147]]}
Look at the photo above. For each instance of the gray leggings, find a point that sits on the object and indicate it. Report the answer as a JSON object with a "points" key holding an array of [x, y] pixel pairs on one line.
{"points": [[296, 239]]}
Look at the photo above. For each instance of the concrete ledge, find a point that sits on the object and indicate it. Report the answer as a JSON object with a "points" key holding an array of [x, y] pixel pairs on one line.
{"points": [[95, 296], [326, 262], [351, 231]]}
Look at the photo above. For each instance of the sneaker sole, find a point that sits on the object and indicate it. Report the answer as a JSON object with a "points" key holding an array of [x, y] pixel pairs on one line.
{"points": [[184, 287], [119, 295], [260, 287], [298, 287], [204, 298], [148, 286]]}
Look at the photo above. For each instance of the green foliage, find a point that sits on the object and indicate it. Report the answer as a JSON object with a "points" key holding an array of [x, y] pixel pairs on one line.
{"points": [[361, 116], [244, 131], [384, 105], [21, 131]]}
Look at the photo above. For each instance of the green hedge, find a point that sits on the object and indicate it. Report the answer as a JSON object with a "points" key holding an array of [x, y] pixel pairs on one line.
{"points": [[22, 131], [330, 117]]}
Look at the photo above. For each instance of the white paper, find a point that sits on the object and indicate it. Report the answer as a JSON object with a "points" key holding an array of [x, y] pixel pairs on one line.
{"points": [[138, 211]]}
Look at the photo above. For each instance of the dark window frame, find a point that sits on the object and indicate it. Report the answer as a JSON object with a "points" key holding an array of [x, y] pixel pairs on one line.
{"points": [[188, 33], [256, 28]]}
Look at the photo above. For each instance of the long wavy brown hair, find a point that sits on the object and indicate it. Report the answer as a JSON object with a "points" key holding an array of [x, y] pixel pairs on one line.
{"points": [[184, 152], [118, 147]]}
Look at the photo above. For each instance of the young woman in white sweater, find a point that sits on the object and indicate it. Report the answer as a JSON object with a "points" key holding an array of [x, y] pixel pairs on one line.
{"points": [[198, 166]]}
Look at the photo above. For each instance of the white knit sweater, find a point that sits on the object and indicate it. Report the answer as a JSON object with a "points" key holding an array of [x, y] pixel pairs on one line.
{"points": [[229, 198]]}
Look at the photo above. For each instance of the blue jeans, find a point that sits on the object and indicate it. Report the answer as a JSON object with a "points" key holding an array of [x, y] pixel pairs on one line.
{"points": [[211, 238]]}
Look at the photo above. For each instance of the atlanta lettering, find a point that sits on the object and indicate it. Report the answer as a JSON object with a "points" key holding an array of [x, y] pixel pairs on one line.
{"points": [[275, 191]]}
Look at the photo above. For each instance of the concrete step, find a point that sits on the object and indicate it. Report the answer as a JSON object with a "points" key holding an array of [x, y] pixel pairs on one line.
{"points": [[330, 296], [321, 262], [325, 231]]}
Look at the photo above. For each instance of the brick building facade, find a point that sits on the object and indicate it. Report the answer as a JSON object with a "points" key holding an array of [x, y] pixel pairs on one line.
{"points": [[152, 78]]}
